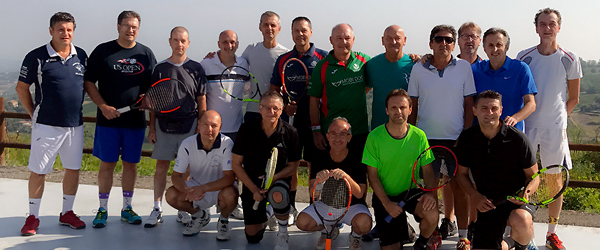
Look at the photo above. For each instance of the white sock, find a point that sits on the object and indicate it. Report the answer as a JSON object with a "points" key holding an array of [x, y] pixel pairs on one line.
{"points": [[355, 235], [158, 205], [462, 233], [198, 214], [127, 198], [34, 207], [68, 201], [103, 200], [283, 224], [223, 219], [551, 228]]}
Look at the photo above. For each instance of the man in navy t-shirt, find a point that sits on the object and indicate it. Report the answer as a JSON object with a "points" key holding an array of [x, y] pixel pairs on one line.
{"points": [[122, 68], [56, 72]]}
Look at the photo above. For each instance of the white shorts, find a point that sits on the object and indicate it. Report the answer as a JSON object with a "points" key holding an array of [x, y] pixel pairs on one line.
{"points": [[49, 141], [554, 146], [210, 198], [352, 211]]}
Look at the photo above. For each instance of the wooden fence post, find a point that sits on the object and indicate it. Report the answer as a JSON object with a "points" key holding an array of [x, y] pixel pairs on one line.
{"points": [[2, 132]]}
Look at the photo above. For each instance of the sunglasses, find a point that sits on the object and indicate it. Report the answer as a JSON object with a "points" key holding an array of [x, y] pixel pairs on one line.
{"points": [[439, 39]]}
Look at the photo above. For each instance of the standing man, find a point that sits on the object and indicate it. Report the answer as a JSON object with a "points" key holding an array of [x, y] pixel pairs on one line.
{"points": [[557, 74], [56, 72], [251, 151], [442, 93], [261, 57], [469, 39], [310, 55], [390, 175], [208, 157], [174, 127], [122, 68], [500, 159], [337, 88]]}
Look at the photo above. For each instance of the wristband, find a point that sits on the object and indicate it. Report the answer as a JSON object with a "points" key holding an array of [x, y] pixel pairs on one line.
{"points": [[316, 128]]}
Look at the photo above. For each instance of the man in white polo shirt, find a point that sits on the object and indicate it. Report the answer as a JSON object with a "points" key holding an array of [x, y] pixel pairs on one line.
{"points": [[208, 155]]}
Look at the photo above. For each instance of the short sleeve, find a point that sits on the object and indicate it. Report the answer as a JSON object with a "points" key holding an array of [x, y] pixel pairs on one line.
{"points": [[240, 147], [371, 153], [413, 82], [93, 66], [183, 156], [527, 81], [317, 165], [461, 150], [247, 51], [226, 164], [469, 85], [201, 80], [29, 69], [294, 151], [315, 85], [529, 158], [575, 71], [276, 76], [368, 80]]}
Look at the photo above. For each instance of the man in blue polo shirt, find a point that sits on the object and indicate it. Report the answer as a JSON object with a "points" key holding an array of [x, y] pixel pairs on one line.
{"points": [[310, 55], [509, 77], [56, 72]]}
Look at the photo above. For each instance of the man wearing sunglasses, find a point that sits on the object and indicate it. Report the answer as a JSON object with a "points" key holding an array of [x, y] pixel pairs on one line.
{"points": [[442, 91]]}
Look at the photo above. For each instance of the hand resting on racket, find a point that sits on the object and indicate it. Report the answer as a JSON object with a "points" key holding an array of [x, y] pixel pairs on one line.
{"points": [[357, 189], [290, 108]]}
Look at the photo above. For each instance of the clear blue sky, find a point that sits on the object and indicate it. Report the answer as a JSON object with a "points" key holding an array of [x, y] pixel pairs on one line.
{"points": [[26, 22]]}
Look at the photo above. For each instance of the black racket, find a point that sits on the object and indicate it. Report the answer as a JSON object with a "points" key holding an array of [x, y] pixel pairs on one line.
{"points": [[434, 159], [164, 96], [294, 79], [239, 83], [543, 188], [331, 200]]}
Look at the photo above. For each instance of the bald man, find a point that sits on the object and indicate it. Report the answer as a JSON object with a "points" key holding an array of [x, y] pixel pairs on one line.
{"points": [[216, 99], [168, 130], [337, 88], [208, 156]]}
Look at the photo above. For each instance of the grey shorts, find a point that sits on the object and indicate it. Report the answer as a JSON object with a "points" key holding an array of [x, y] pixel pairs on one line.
{"points": [[167, 144]]}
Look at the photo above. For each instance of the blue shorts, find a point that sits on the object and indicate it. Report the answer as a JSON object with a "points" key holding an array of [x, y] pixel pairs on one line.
{"points": [[110, 141]]}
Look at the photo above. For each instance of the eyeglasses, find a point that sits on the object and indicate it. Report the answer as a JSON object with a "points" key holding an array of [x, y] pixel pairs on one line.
{"points": [[275, 109], [332, 134], [467, 37], [439, 39]]}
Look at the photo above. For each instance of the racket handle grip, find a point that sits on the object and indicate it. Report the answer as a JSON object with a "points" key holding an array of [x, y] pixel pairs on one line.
{"points": [[291, 119], [389, 217], [123, 110], [255, 206]]}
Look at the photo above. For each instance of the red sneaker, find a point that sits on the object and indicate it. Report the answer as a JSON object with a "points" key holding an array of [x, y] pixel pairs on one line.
{"points": [[31, 226], [552, 242], [72, 220]]}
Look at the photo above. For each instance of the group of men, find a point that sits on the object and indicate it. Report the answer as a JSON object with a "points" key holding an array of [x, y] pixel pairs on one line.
{"points": [[416, 104]]}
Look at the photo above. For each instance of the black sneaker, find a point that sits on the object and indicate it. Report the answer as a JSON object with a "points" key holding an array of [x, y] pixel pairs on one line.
{"points": [[470, 231], [448, 228]]}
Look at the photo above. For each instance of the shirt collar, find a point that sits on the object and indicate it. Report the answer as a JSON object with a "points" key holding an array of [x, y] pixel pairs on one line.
{"points": [[505, 66], [53, 53], [335, 61], [310, 52], [427, 64], [216, 144]]}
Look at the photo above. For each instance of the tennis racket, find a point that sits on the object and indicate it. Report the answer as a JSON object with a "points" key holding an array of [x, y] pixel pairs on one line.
{"points": [[551, 183], [269, 172], [294, 79], [331, 200], [164, 96], [435, 159], [240, 84]]}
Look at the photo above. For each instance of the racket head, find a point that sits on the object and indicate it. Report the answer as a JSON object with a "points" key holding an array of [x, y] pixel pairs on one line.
{"points": [[165, 96], [239, 83], [437, 160], [294, 79], [331, 198], [553, 181], [270, 169]]}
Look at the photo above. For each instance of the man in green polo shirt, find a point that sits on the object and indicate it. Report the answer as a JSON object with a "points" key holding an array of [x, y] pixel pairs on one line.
{"points": [[337, 88]]}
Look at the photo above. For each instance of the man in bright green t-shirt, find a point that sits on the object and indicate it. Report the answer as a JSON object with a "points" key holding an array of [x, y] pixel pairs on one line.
{"points": [[389, 153], [337, 89]]}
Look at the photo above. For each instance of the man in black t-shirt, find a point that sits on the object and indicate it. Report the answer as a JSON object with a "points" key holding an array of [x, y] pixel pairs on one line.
{"points": [[500, 159], [122, 69], [251, 150], [338, 163]]}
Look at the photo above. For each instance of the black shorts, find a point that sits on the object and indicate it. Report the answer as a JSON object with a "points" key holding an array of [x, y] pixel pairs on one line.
{"points": [[397, 230], [450, 163], [489, 227], [258, 216]]}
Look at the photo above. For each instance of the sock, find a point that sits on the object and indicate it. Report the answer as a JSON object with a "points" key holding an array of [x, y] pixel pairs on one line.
{"points": [[283, 224], [462, 233], [422, 240], [293, 198], [68, 201], [198, 214], [223, 219], [518, 246], [103, 200], [552, 223], [34, 207], [127, 197], [158, 205], [355, 235]]}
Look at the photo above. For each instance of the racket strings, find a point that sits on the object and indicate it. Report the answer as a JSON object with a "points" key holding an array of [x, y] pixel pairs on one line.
{"points": [[333, 199], [166, 95], [439, 160], [237, 78]]}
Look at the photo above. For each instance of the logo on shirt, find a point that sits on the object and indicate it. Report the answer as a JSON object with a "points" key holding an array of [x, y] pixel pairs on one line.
{"points": [[506, 77], [355, 66], [348, 81], [333, 72], [129, 66], [406, 77], [313, 64], [79, 69]]}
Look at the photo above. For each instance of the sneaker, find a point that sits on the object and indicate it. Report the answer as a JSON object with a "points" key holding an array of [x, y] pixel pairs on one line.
{"points": [[282, 241], [293, 216], [71, 219], [222, 230], [420, 246], [552, 242], [205, 219], [355, 242], [238, 213], [129, 216], [470, 231], [183, 217], [463, 244], [31, 226], [100, 220], [193, 227], [154, 218], [448, 228], [434, 241], [532, 245]]}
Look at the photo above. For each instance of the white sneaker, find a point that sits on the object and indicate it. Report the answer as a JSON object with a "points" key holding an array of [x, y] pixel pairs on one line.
{"points": [[222, 230], [355, 242], [293, 216], [183, 217], [282, 241], [154, 218], [206, 218], [238, 213], [193, 227]]}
